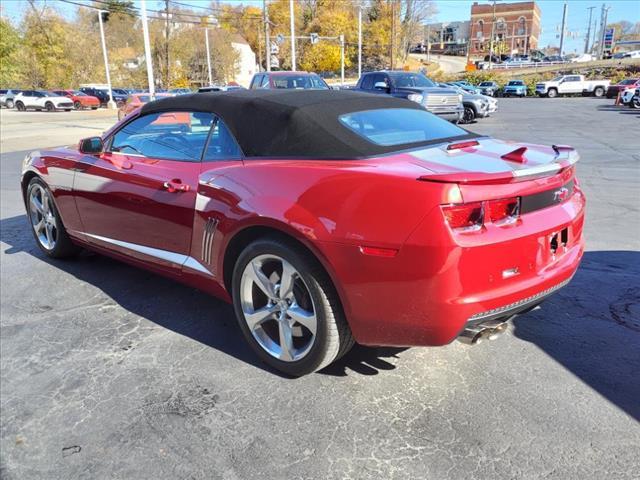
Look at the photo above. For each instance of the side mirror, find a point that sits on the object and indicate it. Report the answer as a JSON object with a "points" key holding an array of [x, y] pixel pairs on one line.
{"points": [[380, 86], [91, 145]]}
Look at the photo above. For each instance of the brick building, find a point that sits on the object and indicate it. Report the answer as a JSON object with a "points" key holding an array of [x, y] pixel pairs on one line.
{"points": [[516, 29]]}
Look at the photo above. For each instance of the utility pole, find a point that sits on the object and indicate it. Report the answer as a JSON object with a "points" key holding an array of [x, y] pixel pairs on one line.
{"points": [[493, 24], [267, 36], [111, 103], [206, 42], [393, 33], [359, 42], [564, 26], [595, 30], [167, 79], [428, 42], [342, 60], [586, 41], [147, 48], [601, 34], [293, 36]]}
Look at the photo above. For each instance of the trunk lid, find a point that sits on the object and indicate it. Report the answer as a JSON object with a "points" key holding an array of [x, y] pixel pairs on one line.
{"points": [[490, 161]]}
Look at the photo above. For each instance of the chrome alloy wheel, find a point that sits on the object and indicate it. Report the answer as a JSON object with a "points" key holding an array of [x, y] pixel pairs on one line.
{"points": [[278, 308], [43, 217]]}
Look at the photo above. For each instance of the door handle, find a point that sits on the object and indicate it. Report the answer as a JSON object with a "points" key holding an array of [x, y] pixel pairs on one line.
{"points": [[175, 185]]}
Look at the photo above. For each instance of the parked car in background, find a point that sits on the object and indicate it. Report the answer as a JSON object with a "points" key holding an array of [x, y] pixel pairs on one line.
{"points": [[444, 102], [79, 99], [572, 84], [634, 102], [515, 88], [99, 93], [136, 101], [632, 54], [466, 86], [7, 96], [613, 90], [42, 100], [220, 88], [627, 95], [288, 80], [554, 58], [475, 105], [180, 91], [489, 88], [387, 226], [585, 57]]}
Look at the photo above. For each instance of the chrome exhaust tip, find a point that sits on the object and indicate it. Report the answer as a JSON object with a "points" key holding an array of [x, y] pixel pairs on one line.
{"points": [[475, 334]]}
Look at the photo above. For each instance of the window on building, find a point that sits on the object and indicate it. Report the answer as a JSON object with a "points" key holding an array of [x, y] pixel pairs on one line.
{"points": [[522, 26], [480, 32]]}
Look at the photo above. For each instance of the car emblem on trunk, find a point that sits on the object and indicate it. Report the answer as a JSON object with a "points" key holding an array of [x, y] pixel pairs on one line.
{"points": [[560, 195], [444, 100]]}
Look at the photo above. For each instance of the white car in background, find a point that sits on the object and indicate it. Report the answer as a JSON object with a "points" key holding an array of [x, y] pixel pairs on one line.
{"points": [[632, 54], [41, 100], [585, 57]]}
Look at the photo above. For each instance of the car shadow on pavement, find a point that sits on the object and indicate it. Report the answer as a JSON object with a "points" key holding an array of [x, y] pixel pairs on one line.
{"points": [[201, 317], [592, 327]]}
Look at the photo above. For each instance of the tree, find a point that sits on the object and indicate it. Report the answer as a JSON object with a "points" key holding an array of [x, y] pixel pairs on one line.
{"points": [[625, 30], [9, 46]]}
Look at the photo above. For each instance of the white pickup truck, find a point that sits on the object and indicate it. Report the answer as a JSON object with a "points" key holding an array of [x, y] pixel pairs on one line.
{"points": [[572, 84]]}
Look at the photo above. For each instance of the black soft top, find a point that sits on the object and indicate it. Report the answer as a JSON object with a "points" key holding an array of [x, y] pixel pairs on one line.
{"points": [[290, 123]]}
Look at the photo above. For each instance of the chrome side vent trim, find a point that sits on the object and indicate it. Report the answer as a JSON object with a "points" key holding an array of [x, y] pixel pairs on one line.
{"points": [[207, 239]]}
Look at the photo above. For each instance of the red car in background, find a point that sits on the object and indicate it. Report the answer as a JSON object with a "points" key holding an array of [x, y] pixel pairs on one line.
{"points": [[621, 86], [80, 100], [325, 217], [136, 100]]}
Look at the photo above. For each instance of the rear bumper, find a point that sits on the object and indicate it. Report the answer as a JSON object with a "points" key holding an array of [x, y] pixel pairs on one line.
{"points": [[437, 284]]}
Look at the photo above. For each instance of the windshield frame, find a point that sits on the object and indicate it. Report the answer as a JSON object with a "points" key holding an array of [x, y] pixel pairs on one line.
{"points": [[394, 76]]}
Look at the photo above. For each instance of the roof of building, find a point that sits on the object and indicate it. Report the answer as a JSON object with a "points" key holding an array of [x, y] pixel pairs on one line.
{"points": [[291, 123]]}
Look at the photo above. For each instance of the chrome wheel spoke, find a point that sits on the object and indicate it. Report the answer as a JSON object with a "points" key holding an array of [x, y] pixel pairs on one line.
{"points": [[286, 280], [36, 206], [286, 341], [258, 317], [303, 317], [260, 279], [39, 226], [48, 228]]}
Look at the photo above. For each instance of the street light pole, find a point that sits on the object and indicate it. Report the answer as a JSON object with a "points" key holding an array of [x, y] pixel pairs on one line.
{"points": [[206, 42], [342, 60], [147, 48], [293, 36], [564, 27], [586, 41], [111, 103], [267, 36]]}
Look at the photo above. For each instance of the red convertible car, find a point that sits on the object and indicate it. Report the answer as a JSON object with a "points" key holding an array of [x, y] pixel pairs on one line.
{"points": [[326, 217]]}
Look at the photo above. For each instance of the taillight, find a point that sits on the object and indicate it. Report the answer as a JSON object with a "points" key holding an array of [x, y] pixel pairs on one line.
{"points": [[469, 217], [504, 211], [464, 217]]}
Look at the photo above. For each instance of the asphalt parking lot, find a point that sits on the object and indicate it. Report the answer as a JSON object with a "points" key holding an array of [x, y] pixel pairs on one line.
{"points": [[111, 372]]}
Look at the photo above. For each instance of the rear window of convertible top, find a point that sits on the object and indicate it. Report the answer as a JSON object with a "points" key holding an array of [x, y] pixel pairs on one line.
{"points": [[399, 126]]}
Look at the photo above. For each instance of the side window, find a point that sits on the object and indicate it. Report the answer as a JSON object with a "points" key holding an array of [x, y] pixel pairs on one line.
{"points": [[380, 77], [222, 145], [256, 82], [175, 135], [367, 82]]}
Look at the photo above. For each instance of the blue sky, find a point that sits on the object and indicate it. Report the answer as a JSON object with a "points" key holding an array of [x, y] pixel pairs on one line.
{"points": [[448, 10]]}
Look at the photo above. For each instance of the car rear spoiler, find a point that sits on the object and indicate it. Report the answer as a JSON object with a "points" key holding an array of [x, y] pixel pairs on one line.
{"points": [[565, 157]]}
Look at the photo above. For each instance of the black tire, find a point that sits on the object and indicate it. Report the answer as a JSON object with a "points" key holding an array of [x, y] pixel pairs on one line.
{"points": [[63, 247], [635, 103], [20, 106], [552, 93], [94, 108], [77, 105], [469, 114], [67, 109], [49, 107], [9, 103], [333, 336], [598, 92]]}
